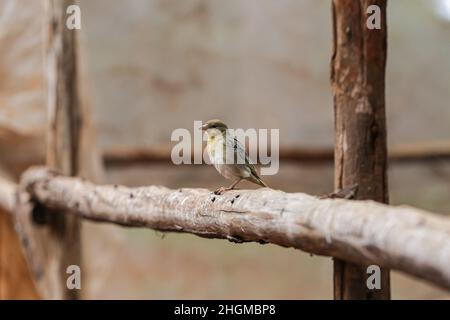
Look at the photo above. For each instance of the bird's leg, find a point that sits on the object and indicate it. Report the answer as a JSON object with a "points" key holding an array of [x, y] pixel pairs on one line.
{"points": [[234, 184], [223, 189]]}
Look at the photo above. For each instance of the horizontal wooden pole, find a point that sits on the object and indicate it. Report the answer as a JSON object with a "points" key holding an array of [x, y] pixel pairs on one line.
{"points": [[430, 152], [400, 238], [19, 151]]}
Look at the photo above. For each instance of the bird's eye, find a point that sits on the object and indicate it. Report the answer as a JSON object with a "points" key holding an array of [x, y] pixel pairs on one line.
{"points": [[214, 126]]}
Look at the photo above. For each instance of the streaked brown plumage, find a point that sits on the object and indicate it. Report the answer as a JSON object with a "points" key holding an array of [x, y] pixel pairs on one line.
{"points": [[221, 146]]}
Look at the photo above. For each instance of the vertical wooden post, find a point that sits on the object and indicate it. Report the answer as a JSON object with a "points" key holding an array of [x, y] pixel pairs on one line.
{"points": [[358, 84], [63, 142], [51, 240]]}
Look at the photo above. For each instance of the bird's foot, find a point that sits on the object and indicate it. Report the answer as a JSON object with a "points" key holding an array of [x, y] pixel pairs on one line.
{"points": [[221, 190], [344, 193]]}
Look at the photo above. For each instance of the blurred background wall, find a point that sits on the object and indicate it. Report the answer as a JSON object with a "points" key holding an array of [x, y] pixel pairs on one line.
{"points": [[151, 66]]}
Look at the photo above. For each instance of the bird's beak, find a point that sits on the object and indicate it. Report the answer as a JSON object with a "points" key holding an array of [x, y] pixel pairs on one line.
{"points": [[204, 127]]}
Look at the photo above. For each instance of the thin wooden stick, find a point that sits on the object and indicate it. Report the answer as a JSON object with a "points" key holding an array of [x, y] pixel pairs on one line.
{"points": [[414, 153]]}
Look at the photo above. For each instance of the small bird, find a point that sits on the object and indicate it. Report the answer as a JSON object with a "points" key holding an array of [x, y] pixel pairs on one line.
{"points": [[223, 147]]}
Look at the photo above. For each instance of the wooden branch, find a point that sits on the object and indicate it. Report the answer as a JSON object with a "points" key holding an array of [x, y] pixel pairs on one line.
{"points": [[116, 157], [358, 79], [401, 238], [420, 152]]}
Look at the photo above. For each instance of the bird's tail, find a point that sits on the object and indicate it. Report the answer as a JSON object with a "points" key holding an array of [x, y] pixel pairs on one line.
{"points": [[255, 179]]}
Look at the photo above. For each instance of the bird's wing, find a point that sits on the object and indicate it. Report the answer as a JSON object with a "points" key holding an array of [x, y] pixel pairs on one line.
{"points": [[242, 161], [241, 155], [235, 148]]}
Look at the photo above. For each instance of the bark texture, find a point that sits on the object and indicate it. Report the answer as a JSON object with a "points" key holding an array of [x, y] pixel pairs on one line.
{"points": [[363, 232], [358, 83]]}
